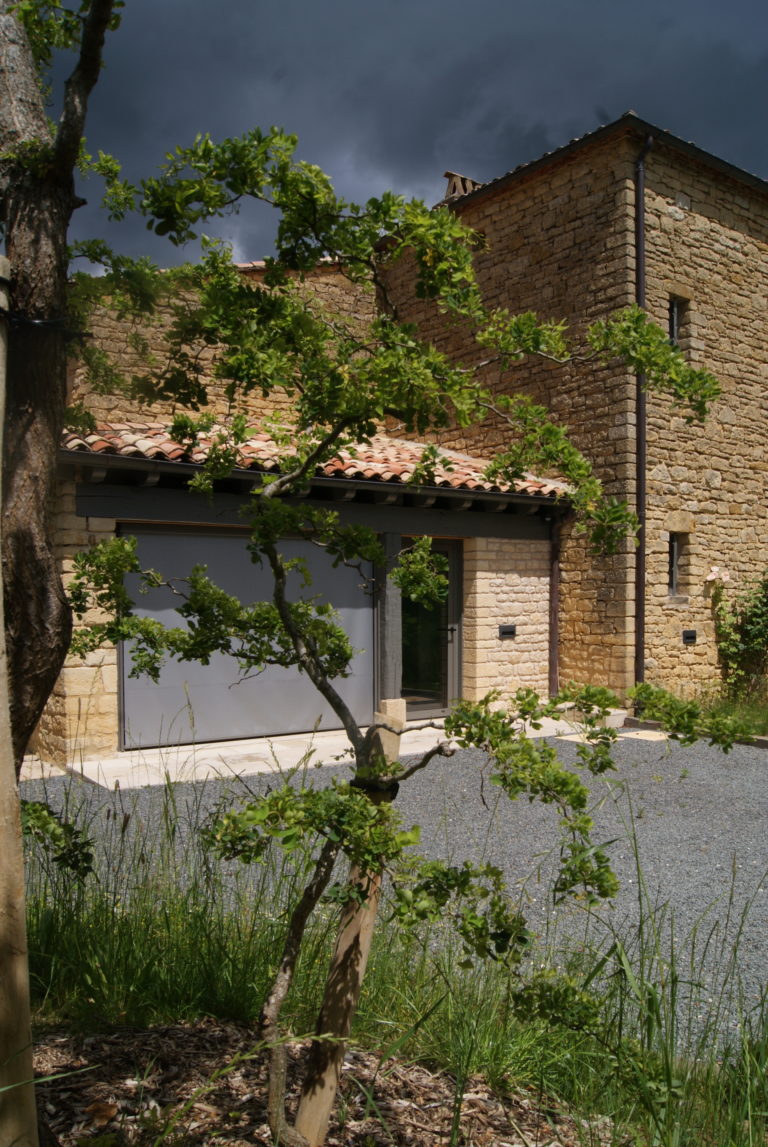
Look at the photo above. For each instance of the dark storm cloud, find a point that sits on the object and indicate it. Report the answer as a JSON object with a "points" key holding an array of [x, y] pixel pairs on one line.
{"points": [[391, 94]]}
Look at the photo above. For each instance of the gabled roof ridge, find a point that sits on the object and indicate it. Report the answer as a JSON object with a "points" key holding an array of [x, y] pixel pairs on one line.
{"points": [[629, 120]]}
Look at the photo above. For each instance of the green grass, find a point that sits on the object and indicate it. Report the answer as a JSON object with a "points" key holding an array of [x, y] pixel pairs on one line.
{"points": [[750, 707], [161, 934]]}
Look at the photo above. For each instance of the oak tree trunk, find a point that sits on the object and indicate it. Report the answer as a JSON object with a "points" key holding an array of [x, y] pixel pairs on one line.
{"points": [[37, 198], [37, 617], [18, 1118]]}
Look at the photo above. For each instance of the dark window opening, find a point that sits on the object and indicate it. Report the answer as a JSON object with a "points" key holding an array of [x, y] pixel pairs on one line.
{"points": [[678, 321], [677, 555]]}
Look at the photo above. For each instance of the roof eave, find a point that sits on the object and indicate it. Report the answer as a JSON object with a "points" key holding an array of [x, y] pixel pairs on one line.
{"points": [[117, 463]]}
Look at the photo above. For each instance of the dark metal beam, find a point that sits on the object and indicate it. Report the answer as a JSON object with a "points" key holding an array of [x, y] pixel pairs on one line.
{"points": [[390, 625]]}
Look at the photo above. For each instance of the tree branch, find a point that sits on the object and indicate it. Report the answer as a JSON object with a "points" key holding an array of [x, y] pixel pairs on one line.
{"points": [[80, 85], [285, 482], [23, 118], [307, 656], [443, 749]]}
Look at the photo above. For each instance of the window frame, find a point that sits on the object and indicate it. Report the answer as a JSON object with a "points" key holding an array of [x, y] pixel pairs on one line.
{"points": [[678, 553], [678, 321]]}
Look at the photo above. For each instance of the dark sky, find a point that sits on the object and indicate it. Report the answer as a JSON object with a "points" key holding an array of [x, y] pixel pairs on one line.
{"points": [[389, 95]]}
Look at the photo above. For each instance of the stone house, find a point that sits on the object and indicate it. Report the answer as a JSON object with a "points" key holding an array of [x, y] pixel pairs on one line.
{"points": [[130, 478], [628, 213]]}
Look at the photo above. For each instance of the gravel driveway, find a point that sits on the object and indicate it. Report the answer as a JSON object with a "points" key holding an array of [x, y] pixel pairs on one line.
{"points": [[700, 825]]}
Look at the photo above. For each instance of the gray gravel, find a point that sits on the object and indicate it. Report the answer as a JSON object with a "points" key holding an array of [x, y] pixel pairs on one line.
{"points": [[699, 821]]}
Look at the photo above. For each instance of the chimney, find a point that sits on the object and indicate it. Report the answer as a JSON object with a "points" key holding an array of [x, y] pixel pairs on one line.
{"points": [[458, 185]]}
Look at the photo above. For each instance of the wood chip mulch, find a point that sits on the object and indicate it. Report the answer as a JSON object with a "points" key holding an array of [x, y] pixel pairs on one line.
{"points": [[137, 1080]]}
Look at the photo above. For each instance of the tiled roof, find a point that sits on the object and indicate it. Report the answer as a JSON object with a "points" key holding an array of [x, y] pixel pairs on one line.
{"points": [[385, 459]]}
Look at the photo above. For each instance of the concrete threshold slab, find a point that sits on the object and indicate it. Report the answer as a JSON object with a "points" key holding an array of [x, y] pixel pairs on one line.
{"points": [[643, 735], [219, 760], [623, 735], [33, 769]]}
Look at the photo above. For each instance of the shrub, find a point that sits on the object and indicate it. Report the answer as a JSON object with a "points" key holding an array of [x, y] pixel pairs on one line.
{"points": [[741, 633]]}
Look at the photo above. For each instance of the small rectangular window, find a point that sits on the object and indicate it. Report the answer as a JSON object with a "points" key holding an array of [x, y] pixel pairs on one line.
{"points": [[677, 558], [678, 321], [673, 565]]}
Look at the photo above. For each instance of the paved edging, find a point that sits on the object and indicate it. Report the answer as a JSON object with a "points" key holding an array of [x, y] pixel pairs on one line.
{"points": [[639, 723]]}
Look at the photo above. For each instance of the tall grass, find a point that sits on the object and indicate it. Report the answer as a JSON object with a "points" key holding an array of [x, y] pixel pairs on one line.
{"points": [[161, 934], [750, 707]]}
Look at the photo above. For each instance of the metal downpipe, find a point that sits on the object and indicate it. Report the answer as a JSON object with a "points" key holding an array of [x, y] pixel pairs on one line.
{"points": [[640, 418]]}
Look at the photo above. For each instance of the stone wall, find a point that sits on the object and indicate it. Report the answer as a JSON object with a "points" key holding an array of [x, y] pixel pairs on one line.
{"points": [[82, 714], [708, 247], [505, 582], [138, 347], [560, 242]]}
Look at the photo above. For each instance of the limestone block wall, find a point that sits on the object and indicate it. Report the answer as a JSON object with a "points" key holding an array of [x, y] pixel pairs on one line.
{"points": [[560, 242], [505, 581], [139, 348], [707, 247], [81, 718], [597, 614]]}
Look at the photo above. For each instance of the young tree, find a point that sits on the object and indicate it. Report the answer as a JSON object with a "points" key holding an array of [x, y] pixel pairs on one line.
{"points": [[344, 378]]}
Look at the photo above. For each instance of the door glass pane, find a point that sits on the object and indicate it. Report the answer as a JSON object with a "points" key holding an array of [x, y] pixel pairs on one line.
{"points": [[425, 655], [431, 644]]}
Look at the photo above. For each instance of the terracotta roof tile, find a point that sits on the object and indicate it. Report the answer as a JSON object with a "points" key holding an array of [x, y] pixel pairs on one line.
{"points": [[384, 459]]}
